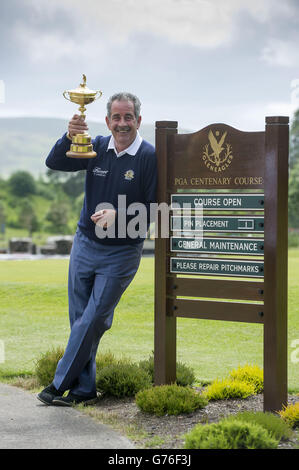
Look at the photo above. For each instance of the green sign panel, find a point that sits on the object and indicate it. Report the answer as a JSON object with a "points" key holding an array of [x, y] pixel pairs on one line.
{"points": [[228, 202], [217, 224], [244, 246], [219, 267]]}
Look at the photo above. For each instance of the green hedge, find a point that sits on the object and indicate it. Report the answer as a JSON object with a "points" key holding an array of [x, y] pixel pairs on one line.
{"points": [[170, 399]]}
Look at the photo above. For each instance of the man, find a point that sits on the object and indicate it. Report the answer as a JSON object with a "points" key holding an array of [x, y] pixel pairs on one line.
{"points": [[101, 268]]}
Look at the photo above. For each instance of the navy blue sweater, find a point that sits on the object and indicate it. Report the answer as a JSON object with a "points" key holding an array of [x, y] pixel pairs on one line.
{"points": [[107, 177]]}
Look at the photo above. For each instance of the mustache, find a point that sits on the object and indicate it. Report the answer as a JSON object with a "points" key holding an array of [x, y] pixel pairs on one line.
{"points": [[123, 128]]}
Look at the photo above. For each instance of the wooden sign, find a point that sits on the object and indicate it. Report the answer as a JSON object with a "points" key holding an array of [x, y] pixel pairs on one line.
{"points": [[239, 182], [217, 157]]}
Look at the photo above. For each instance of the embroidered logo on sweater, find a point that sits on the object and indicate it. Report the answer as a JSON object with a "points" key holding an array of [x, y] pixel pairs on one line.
{"points": [[99, 172], [129, 175]]}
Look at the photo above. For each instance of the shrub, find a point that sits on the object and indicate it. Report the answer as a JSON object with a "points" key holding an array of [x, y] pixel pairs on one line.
{"points": [[105, 359], [249, 374], [122, 379], [290, 414], [233, 434], [293, 240], [227, 388], [275, 426], [169, 399], [184, 374], [46, 366]]}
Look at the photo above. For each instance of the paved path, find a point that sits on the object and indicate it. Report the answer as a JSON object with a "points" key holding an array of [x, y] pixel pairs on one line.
{"points": [[25, 423]]}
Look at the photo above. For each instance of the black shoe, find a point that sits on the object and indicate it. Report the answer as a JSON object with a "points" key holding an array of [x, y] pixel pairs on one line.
{"points": [[48, 394], [71, 400]]}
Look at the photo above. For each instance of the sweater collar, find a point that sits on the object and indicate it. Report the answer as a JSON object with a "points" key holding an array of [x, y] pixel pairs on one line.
{"points": [[131, 150]]}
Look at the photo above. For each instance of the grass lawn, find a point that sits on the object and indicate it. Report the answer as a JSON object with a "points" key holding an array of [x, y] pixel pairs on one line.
{"points": [[34, 319]]}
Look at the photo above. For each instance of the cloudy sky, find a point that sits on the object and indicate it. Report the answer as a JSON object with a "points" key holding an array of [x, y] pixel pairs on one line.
{"points": [[194, 61]]}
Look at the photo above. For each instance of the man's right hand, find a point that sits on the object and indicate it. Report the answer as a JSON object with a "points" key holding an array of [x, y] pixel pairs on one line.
{"points": [[77, 125]]}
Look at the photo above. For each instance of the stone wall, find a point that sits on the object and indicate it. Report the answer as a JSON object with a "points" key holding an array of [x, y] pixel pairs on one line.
{"points": [[59, 245]]}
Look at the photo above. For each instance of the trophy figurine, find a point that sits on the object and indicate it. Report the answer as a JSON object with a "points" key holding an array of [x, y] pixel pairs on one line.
{"points": [[81, 146]]}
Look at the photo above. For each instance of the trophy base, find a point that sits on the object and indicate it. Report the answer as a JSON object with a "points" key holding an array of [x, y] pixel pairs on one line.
{"points": [[72, 154], [81, 147]]}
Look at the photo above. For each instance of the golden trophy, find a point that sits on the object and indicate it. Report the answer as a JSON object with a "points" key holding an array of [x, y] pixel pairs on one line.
{"points": [[81, 146]]}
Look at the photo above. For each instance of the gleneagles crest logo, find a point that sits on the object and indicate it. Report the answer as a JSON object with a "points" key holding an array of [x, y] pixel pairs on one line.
{"points": [[129, 175], [217, 155]]}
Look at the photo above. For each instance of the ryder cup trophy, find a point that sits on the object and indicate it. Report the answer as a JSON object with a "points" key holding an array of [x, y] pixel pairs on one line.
{"points": [[81, 146]]}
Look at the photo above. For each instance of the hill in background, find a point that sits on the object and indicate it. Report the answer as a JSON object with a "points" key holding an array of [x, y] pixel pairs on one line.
{"points": [[25, 142]]}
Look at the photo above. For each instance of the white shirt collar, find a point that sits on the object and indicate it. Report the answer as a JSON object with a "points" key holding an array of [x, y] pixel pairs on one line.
{"points": [[131, 150]]}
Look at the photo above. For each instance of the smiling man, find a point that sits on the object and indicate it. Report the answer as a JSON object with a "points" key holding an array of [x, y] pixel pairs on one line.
{"points": [[101, 268], [122, 121]]}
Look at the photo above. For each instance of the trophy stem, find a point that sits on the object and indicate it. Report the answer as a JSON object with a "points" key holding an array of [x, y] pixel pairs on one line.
{"points": [[82, 109]]}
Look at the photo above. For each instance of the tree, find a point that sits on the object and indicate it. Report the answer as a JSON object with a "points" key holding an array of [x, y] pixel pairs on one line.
{"points": [[294, 140], [2, 212], [74, 185], [2, 217], [27, 217], [293, 208], [58, 216], [294, 196], [78, 204], [71, 184], [21, 184], [56, 177]]}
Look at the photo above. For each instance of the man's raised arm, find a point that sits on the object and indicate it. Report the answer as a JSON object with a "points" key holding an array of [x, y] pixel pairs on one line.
{"points": [[57, 159]]}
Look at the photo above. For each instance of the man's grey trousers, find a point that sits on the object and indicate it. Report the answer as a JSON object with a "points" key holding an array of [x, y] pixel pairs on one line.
{"points": [[98, 276]]}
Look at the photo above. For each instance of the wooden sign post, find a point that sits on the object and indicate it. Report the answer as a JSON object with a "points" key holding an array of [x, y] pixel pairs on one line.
{"points": [[239, 180]]}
